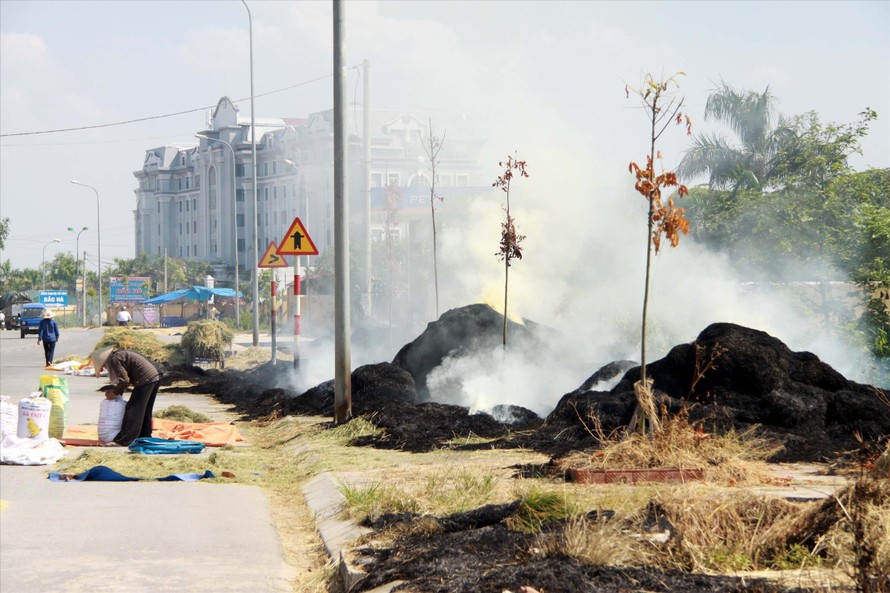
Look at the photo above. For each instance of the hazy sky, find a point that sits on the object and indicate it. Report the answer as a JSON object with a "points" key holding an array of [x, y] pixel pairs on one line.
{"points": [[546, 79]]}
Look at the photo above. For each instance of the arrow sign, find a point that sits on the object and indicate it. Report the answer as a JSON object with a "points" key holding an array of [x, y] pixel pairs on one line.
{"points": [[296, 241], [271, 259]]}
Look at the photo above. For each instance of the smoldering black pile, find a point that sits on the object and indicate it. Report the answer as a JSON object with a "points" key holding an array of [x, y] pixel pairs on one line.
{"points": [[750, 378]]}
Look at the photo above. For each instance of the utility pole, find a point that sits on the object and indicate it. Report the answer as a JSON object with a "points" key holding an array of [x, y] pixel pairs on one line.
{"points": [[164, 307], [254, 241], [342, 370], [366, 203]]}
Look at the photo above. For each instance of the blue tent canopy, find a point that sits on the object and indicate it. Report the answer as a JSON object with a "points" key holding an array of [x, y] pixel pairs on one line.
{"points": [[195, 293]]}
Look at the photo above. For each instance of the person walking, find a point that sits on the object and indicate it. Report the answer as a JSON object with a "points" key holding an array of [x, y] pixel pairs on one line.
{"points": [[126, 368], [124, 317], [48, 333]]}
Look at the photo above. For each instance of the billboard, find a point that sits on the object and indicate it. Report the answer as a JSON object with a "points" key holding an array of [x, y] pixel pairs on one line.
{"points": [[54, 298], [129, 290]]}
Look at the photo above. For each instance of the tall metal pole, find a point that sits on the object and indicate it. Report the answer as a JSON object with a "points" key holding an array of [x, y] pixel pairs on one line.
{"points": [[76, 252], [366, 169], [235, 216], [273, 321], [43, 261], [254, 247], [99, 240], [83, 290], [342, 378]]}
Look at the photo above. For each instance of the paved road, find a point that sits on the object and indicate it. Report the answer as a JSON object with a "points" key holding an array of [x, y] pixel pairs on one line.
{"points": [[152, 537]]}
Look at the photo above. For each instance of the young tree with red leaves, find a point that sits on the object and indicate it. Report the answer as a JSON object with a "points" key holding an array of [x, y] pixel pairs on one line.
{"points": [[510, 239], [666, 220]]}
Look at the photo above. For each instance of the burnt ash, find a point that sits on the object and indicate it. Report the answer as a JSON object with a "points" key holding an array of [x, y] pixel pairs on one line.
{"points": [[458, 332], [755, 380], [473, 558]]}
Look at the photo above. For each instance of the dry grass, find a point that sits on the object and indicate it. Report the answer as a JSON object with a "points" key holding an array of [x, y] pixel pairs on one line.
{"points": [[539, 506], [731, 458], [604, 543], [248, 358], [143, 342], [448, 491], [206, 339], [727, 533], [181, 414], [859, 543]]}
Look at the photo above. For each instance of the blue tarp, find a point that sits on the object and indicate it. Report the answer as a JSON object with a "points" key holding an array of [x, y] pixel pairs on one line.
{"points": [[195, 293]]}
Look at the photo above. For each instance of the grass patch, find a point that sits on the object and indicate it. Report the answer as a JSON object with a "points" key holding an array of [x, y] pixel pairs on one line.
{"points": [[538, 507], [603, 543], [727, 532], [245, 466], [732, 458], [345, 433], [439, 493], [469, 440], [181, 414]]}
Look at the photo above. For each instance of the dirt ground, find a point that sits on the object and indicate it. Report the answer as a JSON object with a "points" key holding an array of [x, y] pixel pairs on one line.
{"points": [[730, 378]]}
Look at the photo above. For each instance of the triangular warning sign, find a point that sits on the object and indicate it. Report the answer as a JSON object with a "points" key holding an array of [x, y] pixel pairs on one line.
{"points": [[271, 259], [296, 241]]}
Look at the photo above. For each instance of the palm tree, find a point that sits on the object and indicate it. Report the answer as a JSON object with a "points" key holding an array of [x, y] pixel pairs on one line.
{"points": [[750, 162]]}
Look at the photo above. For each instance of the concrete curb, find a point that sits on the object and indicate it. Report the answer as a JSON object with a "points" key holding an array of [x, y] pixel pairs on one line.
{"points": [[324, 499]]}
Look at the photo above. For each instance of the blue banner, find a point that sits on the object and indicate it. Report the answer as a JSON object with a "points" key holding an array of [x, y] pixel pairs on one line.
{"points": [[54, 298], [129, 290]]}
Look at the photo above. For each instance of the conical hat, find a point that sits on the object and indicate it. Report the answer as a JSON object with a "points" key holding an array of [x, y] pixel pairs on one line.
{"points": [[99, 357]]}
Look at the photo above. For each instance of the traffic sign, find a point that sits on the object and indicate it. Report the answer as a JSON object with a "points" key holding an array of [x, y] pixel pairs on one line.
{"points": [[296, 241], [271, 259]]}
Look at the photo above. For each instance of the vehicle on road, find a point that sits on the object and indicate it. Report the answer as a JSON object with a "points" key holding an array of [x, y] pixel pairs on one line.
{"points": [[32, 314], [11, 305]]}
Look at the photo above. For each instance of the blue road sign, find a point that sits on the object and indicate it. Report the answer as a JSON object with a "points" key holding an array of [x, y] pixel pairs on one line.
{"points": [[54, 298]]}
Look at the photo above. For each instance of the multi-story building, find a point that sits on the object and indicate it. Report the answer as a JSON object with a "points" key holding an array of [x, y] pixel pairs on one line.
{"points": [[196, 201]]}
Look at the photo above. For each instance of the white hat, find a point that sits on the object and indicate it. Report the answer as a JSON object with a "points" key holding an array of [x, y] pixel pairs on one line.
{"points": [[48, 314], [99, 357]]}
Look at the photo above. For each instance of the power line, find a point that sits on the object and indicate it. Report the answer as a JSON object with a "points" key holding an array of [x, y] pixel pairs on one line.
{"points": [[154, 117]]}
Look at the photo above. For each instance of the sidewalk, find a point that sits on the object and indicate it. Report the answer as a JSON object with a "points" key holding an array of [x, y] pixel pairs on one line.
{"points": [[133, 537]]}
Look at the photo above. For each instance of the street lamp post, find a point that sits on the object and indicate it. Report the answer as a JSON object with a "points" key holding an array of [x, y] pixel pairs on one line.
{"points": [[76, 258], [43, 261], [235, 214], [255, 261], [99, 244]]}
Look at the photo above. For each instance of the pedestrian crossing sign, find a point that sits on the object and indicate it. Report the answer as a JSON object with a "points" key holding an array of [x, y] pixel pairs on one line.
{"points": [[296, 241]]}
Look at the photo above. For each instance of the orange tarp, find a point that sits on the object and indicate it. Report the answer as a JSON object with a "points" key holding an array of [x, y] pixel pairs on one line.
{"points": [[212, 434]]}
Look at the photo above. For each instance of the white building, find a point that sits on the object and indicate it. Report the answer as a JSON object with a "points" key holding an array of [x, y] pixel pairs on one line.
{"points": [[194, 200]]}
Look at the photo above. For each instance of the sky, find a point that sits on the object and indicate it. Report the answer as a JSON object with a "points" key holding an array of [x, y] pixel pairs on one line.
{"points": [[543, 80], [536, 74]]}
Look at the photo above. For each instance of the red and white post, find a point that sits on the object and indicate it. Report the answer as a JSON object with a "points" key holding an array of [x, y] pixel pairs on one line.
{"points": [[297, 313]]}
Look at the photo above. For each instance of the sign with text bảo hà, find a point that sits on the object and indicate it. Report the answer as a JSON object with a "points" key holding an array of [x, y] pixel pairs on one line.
{"points": [[129, 290]]}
